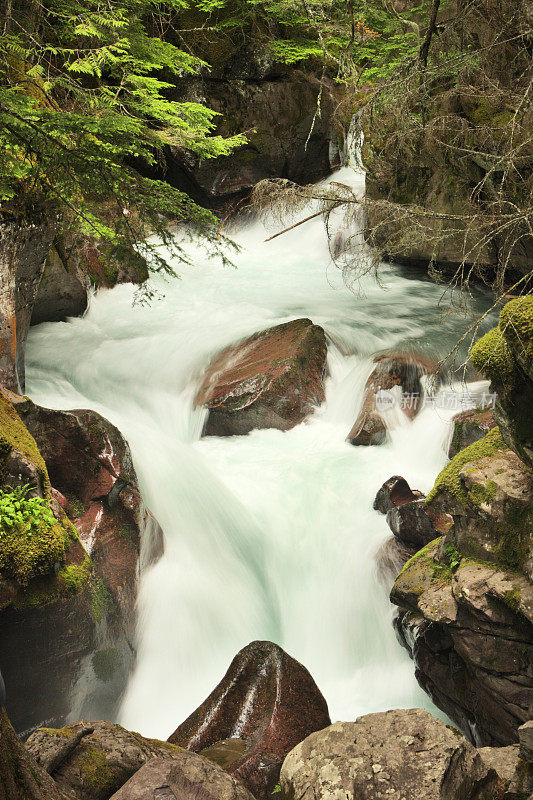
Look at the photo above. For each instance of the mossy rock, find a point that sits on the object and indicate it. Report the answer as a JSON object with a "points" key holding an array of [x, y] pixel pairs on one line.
{"points": [[449, 479]]}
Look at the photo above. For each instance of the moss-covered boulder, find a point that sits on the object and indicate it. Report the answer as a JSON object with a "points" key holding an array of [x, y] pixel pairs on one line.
{"points": [[69, 560], [466, 600], [273, 379], [103, 759], [505, 356], [469, 427]]}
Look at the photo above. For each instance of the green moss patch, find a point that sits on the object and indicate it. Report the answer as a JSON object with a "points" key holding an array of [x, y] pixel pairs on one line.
{"points": [[99, 779], [15, 436], [32, 541], [516, 322], [106, 662], [449, 480], [491, 356]]}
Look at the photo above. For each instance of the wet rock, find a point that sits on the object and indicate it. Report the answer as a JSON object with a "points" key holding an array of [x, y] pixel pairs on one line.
{"points": [[525, 737], [273, 379], [274, 103], [394, 493], [472, 639], [61, 293], [411, 524], [188, 777], [24, 245], [394, 754], [266, 699], [470, 427], [390, 559], [73, 627], [103, 759], [395, 381]]}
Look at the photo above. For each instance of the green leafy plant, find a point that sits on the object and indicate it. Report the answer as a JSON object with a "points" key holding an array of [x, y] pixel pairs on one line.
{"points": [[32, 541]]}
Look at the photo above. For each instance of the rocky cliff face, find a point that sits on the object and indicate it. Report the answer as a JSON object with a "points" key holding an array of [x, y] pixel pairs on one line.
{"points": [[435, 153], [67, 625], [466, 599]]}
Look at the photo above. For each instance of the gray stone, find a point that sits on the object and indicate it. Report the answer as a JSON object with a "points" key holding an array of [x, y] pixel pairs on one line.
{"points": [[398, 755], [187, 777], [525, 737]]}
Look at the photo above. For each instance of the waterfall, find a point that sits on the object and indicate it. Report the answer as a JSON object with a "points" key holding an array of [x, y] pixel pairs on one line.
{"points": [[271, 535]]}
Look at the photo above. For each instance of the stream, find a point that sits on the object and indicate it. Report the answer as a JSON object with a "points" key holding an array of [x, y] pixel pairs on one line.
{"points": [[272, 535]]}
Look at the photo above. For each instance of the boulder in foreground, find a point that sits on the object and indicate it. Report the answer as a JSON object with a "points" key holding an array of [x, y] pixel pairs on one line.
{"points": [[398, 755], [190, 777], [273, 379], [268, 702]]}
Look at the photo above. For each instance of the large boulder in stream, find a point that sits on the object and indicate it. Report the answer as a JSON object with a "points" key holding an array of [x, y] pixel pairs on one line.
{"points": [[265, 705], [273, 379], [401, 755], [394, 381], [189, 777], [68, 623]]}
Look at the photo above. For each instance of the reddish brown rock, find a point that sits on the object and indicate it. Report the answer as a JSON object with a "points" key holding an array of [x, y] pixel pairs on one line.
{"points": [[395, 492], [80, 619], [411, 524], [470, 427], [266, 699], [273, 379], [403, 370]]}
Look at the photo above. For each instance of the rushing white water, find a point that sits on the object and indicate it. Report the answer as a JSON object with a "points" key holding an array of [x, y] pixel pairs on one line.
{"points": [[272, 535]]}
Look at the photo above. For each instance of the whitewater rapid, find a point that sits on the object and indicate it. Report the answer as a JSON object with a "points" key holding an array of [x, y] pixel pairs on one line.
{"points": [[271, 535]]}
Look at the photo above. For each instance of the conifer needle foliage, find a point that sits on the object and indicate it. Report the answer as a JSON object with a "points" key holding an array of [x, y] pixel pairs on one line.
{"points": [[85, 93]]}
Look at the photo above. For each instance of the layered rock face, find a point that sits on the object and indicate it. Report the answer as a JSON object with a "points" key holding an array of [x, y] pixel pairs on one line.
{"points": [[273, 104], [273, 379], [266, 704], [394, 381], [23, 249], [70, 627], [401, 754], [467, 598]]}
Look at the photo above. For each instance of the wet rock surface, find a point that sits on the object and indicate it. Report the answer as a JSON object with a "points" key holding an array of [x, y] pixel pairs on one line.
{"points": [[395, 381], [24, 245], [470, 427], [470, 632], [394, 493], [73, 630], [394, 754], [273, 379], [266, 699]]}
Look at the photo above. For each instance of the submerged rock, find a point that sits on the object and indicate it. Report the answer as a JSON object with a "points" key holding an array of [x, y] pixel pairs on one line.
{"points": [[273, 379], [401, 372], [188, 777], [266, 699], [400, 754]]}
